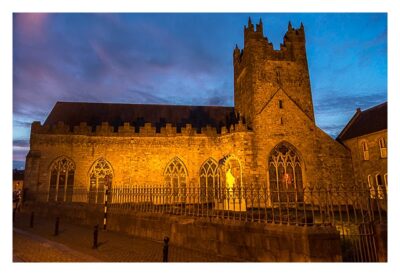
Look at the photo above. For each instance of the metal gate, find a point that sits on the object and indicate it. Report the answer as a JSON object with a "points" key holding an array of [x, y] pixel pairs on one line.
{"points": [[358, 243], [355, 218]]}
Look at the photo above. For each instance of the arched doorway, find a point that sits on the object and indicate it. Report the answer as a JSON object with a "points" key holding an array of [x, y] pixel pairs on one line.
{"points": [[285, 174]]}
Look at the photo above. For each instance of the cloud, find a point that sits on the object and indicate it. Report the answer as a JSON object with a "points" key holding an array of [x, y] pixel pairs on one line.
{"points": [[334, 112], [143, 97], [98, 57], [19, 123], [349, 102], [21, 143], [332, 130], [220, 100], [19, 153], [31, 25]]}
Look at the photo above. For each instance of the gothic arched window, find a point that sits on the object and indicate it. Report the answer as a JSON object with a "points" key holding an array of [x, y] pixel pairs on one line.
{"points": [[285, 174], [209, 180], [101, 176], [62, 173], [175, 176]]}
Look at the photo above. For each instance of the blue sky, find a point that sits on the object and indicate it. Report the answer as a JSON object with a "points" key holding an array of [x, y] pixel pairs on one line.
{"points": [[185, 59]]}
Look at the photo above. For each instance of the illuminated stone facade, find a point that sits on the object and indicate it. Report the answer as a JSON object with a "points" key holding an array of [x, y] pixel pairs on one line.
{"points": [[366, 137], [272, 139]]}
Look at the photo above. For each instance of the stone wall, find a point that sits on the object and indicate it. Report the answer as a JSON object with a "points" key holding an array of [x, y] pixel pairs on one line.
{"points": [[254, 242], [325, 161], [273, 92], [260, 71], [375, 165], [137, 159]]}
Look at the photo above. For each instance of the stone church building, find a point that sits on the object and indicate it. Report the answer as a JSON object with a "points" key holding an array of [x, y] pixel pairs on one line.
{"points": [[269, 138]]}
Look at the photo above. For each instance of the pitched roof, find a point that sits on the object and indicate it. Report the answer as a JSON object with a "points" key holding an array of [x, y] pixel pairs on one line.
{"points": [[365, 122], [73, 113]]}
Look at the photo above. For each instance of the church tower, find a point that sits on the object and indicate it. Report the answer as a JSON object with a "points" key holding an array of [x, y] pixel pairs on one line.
{"points": [[260, 72]]}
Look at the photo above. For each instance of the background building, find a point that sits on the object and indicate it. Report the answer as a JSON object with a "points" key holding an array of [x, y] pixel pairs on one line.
{"points": [[366, 137]]}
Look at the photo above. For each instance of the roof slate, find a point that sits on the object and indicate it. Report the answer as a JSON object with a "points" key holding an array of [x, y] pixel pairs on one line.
{"points": [[73, 113], [365, 122]]}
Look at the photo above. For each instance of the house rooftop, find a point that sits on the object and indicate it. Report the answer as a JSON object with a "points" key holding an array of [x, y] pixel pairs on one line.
{"points": [[116, 114], [365, 122]]}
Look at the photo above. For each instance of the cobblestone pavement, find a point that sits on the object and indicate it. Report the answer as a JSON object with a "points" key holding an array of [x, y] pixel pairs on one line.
{"points": [[74, 244], [32, 248]]}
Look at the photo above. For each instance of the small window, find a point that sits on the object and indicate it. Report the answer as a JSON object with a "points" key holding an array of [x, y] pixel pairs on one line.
{"points": [[280, 103], [382, 148], [364, 146]]}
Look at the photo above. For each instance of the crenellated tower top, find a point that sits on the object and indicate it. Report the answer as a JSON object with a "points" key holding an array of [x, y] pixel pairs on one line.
{"points": [[292, 49], [260, 70]]}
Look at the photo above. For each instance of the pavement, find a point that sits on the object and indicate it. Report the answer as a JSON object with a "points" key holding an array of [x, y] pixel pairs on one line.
{"points": [[74, 244]]}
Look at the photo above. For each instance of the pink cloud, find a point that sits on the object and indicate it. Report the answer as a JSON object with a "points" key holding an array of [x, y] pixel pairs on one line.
{"points": [[31, 25]]}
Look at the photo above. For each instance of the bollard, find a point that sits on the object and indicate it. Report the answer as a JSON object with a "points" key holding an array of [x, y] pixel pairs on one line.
{"points": [[56, 226], [95, 236], [32, 219], [105, 211], [165, 249]]}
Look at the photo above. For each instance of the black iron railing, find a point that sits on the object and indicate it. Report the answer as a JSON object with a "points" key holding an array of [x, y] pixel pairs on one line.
{"points": [[309, 206]]}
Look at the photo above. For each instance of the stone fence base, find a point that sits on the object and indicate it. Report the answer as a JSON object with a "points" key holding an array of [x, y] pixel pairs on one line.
{"points": [[246, 241]]}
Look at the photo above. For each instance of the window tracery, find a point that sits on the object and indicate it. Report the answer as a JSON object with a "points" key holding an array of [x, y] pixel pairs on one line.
{"points": [[62, 173], [209, 180], [101, 176], [285, 174], [175, 176]]}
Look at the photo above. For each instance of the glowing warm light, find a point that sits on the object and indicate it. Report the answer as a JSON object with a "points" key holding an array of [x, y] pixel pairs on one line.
{"points": [[230, 179]]}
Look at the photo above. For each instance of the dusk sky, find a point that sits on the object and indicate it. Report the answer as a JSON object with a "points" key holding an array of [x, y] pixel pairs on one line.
{"points": [[184, 59]]}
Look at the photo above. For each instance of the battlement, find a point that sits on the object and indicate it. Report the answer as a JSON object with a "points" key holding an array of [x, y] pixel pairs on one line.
{"points": [[255, 43], [148, 130], [259, 70]]}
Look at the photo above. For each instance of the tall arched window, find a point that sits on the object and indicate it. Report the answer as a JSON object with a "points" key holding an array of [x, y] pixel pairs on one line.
{"points": [[175, 176], [365, 151], [285, 174], [209, 180], [62, 173], [382, 147], [101, 176]]}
